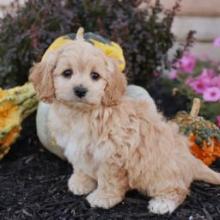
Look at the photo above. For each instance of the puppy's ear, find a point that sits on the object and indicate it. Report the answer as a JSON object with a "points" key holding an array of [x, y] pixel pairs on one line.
{"points": [[41, 75], [116, 84]]}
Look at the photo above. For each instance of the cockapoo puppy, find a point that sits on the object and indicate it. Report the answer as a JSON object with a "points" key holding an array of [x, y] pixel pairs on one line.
{"points": [[115, 143]]}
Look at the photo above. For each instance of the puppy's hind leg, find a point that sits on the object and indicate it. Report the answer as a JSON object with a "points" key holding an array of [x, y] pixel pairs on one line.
{"points": [[80, 183], [167, 202], [112, 186]]}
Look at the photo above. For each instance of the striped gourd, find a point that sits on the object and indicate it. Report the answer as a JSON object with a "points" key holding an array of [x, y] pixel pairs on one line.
{"points": [[15, 105]]}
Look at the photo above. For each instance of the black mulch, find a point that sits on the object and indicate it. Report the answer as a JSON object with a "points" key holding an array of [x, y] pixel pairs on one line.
{"points": [[33, 185]]}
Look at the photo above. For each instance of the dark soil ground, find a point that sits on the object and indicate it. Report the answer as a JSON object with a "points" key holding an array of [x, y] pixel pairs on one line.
{"points": [[33, 185]]}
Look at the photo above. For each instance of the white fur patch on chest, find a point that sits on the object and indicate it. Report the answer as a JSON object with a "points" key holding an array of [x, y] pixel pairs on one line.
{"points": [[58, 129], [78, 140], [79, 150], [73, 134]]}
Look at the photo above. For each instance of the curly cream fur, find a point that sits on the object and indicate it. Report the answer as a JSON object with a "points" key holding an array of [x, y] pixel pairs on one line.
{"points": [[116, 143]]}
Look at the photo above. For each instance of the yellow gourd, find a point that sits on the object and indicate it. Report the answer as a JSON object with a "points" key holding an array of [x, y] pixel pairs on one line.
{"points": [[15, 105]]}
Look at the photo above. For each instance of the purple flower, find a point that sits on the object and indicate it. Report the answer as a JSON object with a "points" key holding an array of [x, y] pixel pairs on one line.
{"points": [[187, 63], [211, 94], [216, 42], [218, 120]]}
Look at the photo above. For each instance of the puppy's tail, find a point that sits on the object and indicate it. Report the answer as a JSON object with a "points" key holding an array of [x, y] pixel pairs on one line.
{"points": [[204, 173]]}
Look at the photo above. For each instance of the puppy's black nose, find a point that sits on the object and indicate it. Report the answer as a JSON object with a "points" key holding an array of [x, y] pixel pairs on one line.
{"points": [[80, 91]]}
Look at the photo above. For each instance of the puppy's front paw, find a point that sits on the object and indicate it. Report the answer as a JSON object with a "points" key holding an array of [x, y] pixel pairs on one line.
{"points": [[160, 205], [81, 185], [102, 200]]}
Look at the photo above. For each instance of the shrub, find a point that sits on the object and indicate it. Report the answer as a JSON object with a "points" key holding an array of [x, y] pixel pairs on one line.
{"points": [[144, 35]]}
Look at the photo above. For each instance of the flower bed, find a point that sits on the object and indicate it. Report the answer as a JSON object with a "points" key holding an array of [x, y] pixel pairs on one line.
{"points": [[199, 77]]}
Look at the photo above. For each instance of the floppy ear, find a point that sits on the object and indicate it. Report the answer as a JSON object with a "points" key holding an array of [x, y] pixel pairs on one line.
{"points": [[42, 78], [116, 84]]}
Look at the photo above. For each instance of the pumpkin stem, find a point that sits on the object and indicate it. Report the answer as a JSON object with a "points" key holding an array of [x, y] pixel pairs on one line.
{"points": [[80, 33], [195, 107]]}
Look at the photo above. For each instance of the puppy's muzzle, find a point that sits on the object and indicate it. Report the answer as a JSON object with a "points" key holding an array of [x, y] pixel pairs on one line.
{"points": [[80, 91]]}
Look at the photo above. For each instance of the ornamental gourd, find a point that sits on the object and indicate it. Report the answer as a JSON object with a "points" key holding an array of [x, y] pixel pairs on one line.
{"points": [[204, 136], [15, 105]]}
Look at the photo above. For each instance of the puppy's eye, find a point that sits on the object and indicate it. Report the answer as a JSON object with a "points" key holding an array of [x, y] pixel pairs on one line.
{"points": [[67, 73], [95, 76]]}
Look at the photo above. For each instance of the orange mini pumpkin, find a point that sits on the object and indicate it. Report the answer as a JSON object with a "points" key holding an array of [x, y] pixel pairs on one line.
{"points": [[204, 136]]}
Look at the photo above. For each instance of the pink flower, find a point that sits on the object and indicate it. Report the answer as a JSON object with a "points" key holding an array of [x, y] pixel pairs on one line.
{"points": [[187, 63], [199, 86], [216, 42], [189, 80], [218, 120], [205, 80], [216, 81], [212, 94], [207, 73], [173, 74]]}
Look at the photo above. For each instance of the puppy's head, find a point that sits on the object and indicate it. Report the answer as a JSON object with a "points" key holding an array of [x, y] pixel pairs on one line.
{"points": [[79, 74]]}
